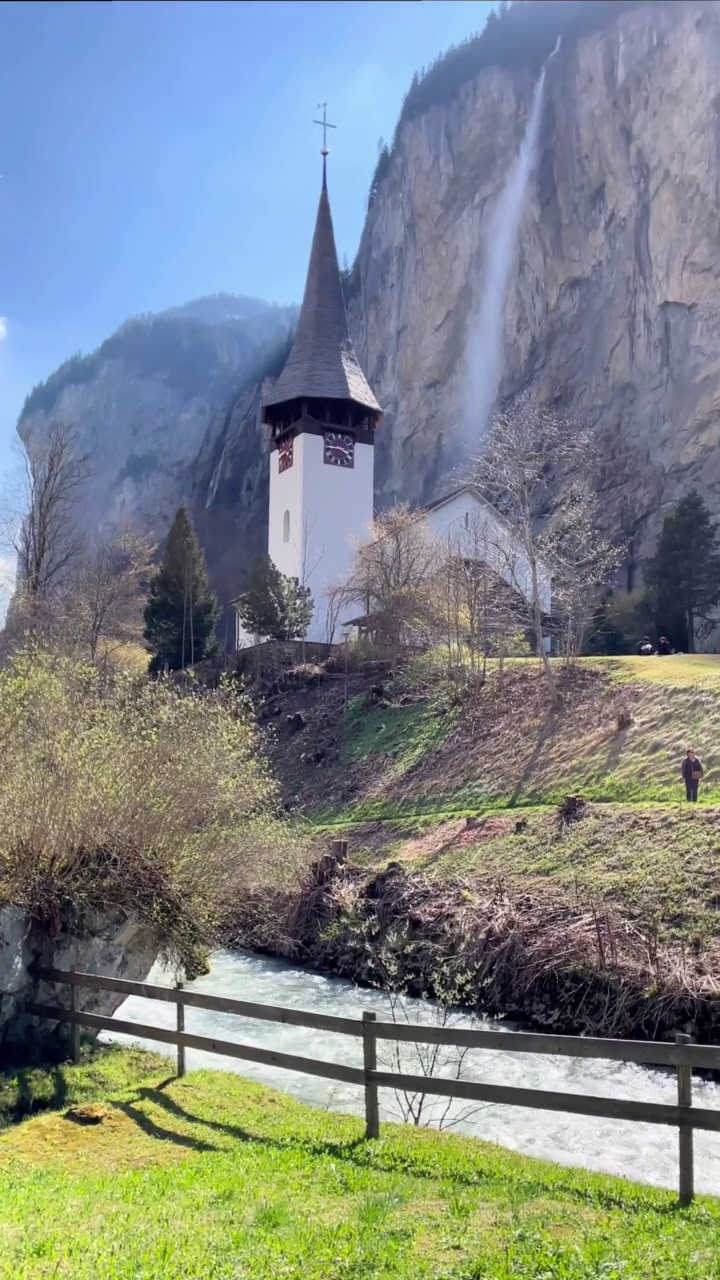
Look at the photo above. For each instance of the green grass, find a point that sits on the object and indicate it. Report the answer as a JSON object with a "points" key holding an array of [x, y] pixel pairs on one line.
{"points": [[659, 867], [681, 670], [415, 760], [216, 1178]]}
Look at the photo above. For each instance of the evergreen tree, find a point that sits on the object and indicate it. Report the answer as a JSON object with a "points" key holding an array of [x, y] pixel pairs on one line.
{"points": [[181, 612], [683, 578], [274, 606]]}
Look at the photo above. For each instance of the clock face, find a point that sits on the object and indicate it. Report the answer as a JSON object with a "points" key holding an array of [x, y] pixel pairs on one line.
{"points": [[285, 453], [339, 449]]}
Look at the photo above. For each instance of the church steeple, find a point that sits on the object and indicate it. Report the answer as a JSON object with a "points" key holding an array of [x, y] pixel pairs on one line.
{"points": [[322, 366]]}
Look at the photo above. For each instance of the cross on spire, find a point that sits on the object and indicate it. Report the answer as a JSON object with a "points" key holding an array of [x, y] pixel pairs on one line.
{"points": [[325, 125]]}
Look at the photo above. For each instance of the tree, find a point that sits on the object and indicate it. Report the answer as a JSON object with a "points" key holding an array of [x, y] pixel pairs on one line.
{"points": [[275, 606], [529, 453], [105, 592], [683, 578], [582, 563], [181, 612], [393, 574], [39, 520]]}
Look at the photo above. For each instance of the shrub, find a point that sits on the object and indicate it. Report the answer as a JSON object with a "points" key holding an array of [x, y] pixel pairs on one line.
{"points": [[121, 793]]}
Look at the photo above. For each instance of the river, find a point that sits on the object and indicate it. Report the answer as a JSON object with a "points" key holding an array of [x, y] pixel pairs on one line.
{"points": [[646, 1153]]}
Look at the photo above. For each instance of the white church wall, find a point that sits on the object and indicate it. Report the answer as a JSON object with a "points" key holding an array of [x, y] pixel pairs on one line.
{"points": [[327, 508], [467, 520]]}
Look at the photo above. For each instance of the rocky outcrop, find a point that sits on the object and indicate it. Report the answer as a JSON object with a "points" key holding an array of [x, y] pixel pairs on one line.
{"points": [[613, 306], [111, 946], [160, 399]]}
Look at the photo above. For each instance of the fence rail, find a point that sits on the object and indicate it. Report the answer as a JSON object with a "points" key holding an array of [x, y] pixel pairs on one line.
{"points": [[681, 1054]]}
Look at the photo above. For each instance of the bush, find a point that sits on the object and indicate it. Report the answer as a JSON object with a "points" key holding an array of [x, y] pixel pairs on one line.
{"points": [[121, 793]]}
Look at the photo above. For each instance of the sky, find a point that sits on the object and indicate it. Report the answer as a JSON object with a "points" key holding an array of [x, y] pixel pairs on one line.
{"points": [[152, 151]]}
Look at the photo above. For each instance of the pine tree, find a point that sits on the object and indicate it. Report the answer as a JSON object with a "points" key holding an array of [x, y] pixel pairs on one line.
{"points": [[274, 606], [181, 612], [684, 576]]}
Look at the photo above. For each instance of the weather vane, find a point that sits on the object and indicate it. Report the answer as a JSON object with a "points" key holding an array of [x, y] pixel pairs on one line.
{"points": [[325, 125]]}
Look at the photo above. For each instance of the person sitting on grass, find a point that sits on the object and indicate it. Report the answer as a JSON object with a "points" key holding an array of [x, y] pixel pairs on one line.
{"points": [[663, 648], [692, 772], [645, 647]]}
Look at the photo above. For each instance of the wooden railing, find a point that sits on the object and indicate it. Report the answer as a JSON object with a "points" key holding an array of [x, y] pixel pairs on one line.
{"points": [[682, 1055]]}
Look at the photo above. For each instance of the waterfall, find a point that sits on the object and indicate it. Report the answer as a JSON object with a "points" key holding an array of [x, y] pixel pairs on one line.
{"points": [[484, 351]]}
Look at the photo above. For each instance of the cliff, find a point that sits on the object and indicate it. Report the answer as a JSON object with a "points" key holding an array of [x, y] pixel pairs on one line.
{"points": [[613, 304], [158, 400]]}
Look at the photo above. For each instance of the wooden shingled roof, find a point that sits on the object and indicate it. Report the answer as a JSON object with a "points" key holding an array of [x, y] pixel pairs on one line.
{"points": [[322, 363]]}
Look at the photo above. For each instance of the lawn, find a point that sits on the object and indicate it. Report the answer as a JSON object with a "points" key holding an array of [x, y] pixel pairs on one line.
{"points": [[419, 760], [216, 1178]]}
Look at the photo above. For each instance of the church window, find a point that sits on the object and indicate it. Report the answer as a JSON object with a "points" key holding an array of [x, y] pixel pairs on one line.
{"points": [[467, 519], [286, 527]]}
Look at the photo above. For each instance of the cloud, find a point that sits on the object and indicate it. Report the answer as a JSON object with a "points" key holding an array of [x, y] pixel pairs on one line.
{"points": [[3, 327]]}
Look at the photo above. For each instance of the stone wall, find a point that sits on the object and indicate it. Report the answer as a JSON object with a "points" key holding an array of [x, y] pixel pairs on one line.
{"points": [[112, 946]]}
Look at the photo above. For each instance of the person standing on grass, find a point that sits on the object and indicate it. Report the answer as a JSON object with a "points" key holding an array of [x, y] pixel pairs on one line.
{"points": [[692, 772]]}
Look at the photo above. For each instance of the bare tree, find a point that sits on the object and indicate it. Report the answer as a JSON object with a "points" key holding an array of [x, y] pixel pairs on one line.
{"points": [[392, 576], [105, 593], [481, 609], [39, 519], [529, 450], [583, 562], [450, 1062]]}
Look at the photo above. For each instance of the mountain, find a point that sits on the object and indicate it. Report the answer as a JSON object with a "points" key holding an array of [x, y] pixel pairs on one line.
{"points": [[156, 396], [612, 306]]}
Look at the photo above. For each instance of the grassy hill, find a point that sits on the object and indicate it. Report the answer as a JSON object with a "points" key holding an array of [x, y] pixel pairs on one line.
{"points": [[478, 798], [134, 1176]]}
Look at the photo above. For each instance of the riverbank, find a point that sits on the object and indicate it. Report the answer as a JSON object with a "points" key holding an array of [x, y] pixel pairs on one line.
{"points": [[213, 1176], [530, 862], [553, 966]]}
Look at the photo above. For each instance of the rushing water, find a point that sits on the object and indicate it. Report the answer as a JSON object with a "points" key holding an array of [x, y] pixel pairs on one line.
{"points": [[648, 1153], [485, 357]]}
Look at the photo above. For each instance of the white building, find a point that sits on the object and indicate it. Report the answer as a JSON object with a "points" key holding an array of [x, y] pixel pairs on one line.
{"points": [[469, 523], [322, 418]]}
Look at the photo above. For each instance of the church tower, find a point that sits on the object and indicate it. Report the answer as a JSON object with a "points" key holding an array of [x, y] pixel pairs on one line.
{"points": [[322, 418]]}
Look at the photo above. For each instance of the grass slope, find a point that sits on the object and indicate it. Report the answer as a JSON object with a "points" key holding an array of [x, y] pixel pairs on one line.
{"points": [[216, 1178], [418, 760], [409, 774]]}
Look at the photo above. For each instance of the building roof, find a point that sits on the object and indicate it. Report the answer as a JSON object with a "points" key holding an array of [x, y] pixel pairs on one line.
{"points": [[322, 363], [452, 493]]}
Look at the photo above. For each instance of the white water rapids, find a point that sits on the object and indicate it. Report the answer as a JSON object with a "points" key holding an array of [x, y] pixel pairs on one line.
{"points": [[646, 1153]]}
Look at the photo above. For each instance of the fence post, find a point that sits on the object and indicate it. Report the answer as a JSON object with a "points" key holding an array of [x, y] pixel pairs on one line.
{"points": [[372, 1113], [75, 1026], [180, 1030], [684, 1091]]}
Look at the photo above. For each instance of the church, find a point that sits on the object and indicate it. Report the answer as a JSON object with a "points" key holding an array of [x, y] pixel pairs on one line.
{"points": [[322, 417]]}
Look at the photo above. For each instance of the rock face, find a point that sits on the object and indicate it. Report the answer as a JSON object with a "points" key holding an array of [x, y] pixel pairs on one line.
{"points": [[111, 946], [613, 305], [157, 400]]}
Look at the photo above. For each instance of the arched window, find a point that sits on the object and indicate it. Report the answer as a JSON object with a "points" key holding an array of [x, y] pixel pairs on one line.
{"points": [[467, 519], [286, 527]]}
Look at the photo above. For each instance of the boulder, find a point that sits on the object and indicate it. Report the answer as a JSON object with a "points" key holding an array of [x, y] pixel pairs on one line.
{"points": [[111, 945]]}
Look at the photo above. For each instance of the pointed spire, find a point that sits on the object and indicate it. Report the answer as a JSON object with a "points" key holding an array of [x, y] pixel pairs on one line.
{"points": [[322, 363]]}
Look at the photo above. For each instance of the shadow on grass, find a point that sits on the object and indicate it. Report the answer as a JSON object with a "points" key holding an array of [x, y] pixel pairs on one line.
{"points": [[27, 1103], [368, 1154], [157, 1131], [545, 733]]}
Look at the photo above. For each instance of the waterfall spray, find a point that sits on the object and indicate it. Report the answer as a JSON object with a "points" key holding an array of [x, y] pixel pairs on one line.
{"points": [[484, 345]]}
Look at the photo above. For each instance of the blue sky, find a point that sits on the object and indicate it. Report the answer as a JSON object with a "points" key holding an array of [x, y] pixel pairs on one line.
{"points": [[157, 150]]}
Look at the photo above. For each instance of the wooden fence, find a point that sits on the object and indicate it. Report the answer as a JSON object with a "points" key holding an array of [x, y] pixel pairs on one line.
{"points": [[682, 1055]]}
